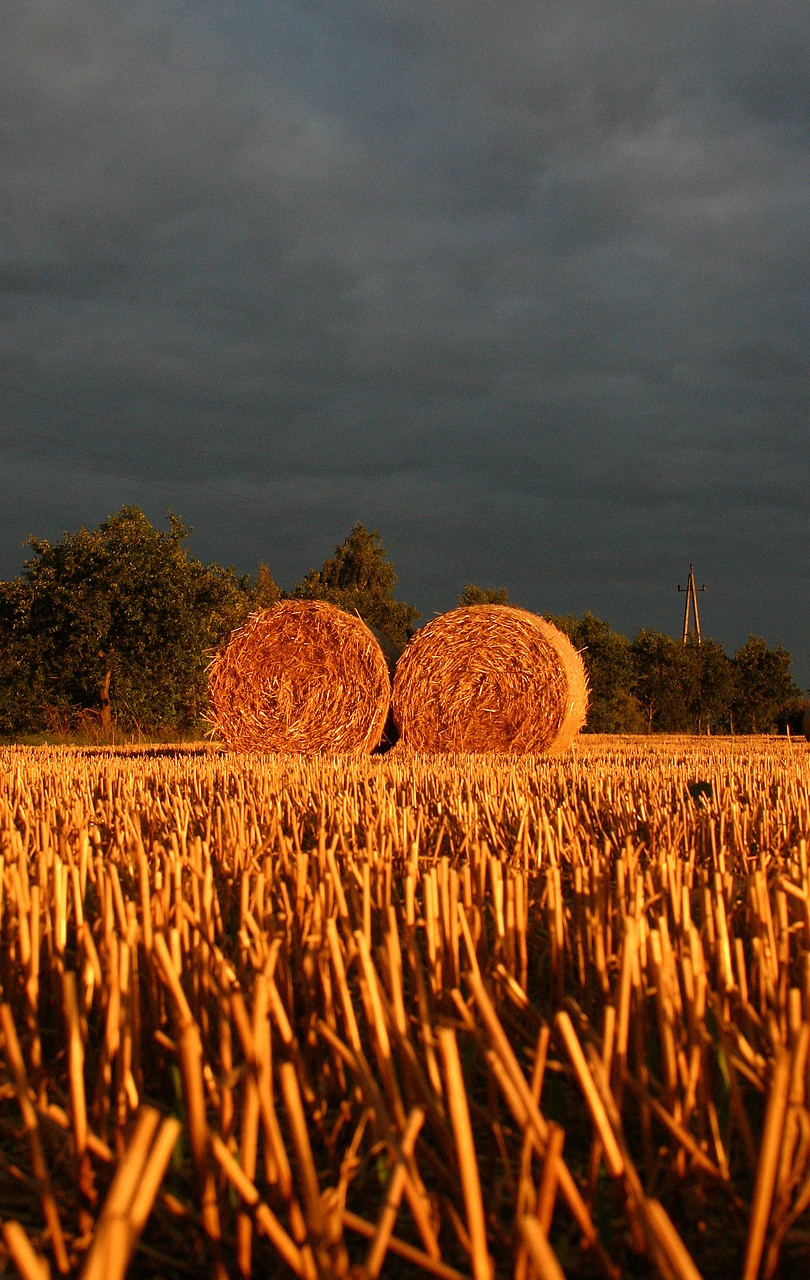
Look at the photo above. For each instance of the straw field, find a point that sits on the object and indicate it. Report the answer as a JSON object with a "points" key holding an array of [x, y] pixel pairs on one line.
{"points": [[459, 1016]]}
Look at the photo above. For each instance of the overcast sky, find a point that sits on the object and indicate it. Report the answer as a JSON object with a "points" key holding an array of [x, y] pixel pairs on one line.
{"points": [[523, 285]]}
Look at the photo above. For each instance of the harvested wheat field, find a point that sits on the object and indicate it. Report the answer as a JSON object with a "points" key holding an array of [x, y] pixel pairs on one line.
{"points": [[418, 1016]]}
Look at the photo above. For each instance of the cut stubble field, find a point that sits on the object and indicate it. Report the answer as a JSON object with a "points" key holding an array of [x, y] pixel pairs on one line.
{"points": [[406, 1016]]}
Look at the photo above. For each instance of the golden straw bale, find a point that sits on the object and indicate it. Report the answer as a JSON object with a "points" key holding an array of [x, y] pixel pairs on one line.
{"points": [[489, 678], [302, 677]]}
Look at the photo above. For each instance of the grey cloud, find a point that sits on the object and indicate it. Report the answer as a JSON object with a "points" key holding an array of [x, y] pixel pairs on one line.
{"points": [[525, 287]]}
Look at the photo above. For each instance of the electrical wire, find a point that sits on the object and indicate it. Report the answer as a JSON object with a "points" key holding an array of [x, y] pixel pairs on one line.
{"points": [[328, 488], [236, 502]]}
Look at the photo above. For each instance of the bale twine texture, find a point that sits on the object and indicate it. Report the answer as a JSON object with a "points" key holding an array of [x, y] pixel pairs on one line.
{"points": [[301, 677], [489, 678]]}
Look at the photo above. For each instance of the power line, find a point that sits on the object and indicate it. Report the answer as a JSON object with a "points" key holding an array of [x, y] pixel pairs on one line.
{"points": [[236, 502], [323, 488], [147, 434]]}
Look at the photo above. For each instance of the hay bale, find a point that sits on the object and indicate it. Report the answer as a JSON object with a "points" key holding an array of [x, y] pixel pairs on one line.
{"points": [[489, 678], [806, 722], [301, 677]]}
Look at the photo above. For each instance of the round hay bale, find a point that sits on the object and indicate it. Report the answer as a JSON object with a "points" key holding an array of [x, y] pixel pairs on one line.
{"points": [[489, 678], [301, 677], [806, 722]]}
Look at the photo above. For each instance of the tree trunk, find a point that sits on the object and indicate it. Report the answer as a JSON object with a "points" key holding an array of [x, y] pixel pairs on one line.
{"points": [[106, 718]]}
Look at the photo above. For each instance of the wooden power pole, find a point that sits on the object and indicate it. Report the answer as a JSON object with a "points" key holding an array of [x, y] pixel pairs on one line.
{"points": [[691, 605]]}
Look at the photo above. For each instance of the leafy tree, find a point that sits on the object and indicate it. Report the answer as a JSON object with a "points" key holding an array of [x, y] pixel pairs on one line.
{"points": [[477, 595], [361, 579], [766, 694], [608, 660], [709, 684], [116, 622], [21, 684], [658, 683], [264, 592]]}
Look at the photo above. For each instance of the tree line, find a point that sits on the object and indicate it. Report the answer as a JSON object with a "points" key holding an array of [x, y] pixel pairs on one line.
{"points": [[654, 684], [113, 628]]}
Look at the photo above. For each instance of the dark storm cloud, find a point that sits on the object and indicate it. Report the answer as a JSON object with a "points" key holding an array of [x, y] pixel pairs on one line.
{"points": [[525, 286]]}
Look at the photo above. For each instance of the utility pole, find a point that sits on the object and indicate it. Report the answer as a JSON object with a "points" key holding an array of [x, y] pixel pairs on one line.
{"points": [[691, 604]]}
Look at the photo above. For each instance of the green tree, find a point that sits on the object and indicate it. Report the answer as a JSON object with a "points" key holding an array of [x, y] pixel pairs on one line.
{"points": [[21, 683], [766, 695], [361, 579], [479, 595], [659, 682], [608, 660], [264, 592], [709, 685], [116, 622]]}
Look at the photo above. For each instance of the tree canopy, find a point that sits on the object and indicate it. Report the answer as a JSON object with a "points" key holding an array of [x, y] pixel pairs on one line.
{"points": [[658, 681], [608, 660], [115, 623], [658, 685], [360, 578], [483, 595], [115, 626], [765, 692]]}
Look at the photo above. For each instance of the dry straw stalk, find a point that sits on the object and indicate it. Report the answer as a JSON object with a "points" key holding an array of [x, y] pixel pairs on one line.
{"points": [[356, 980]]}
